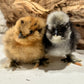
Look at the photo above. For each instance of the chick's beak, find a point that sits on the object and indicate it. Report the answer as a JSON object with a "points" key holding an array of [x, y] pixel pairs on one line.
{"points": [[20, 35], [55, 32]]}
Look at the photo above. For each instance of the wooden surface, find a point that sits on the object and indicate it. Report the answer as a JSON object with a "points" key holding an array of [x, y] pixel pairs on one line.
{"points": [[14, 9]]}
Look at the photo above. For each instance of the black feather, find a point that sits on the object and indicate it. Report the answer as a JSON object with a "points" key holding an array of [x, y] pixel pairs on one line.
{"points": [[46, 42]]}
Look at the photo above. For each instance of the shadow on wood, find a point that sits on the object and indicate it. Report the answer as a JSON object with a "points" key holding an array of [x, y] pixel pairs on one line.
{"points": [[55, 63]]}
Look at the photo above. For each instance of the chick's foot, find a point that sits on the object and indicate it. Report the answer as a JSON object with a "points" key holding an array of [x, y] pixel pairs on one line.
{"points": [[72, 59]]}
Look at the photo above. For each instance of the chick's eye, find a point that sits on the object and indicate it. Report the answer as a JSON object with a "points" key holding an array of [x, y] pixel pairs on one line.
{"points": [[22, 22], [31, 32]]}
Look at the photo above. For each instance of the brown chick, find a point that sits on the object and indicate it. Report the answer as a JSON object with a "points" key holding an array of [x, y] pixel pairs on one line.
{"points": [[23, 42]]}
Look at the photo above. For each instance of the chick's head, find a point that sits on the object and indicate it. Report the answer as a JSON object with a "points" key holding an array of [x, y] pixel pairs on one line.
{"points": [[58, 27], [29, 30]]}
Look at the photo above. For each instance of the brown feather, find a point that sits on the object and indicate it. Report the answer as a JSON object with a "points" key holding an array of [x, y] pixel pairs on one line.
{"points": [[29, 49]]}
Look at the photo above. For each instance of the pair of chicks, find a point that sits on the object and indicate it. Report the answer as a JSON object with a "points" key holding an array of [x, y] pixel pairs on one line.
{"points": [[27, 41]]}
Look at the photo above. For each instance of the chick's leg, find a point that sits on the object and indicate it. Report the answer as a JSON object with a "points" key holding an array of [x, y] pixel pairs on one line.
{"points": [[11, 64], [71, 58], [43, 61], [36, 63], [14, 64]]}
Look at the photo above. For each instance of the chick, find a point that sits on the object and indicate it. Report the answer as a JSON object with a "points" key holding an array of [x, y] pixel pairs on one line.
{"points": [[60, 37], [23, 42]]}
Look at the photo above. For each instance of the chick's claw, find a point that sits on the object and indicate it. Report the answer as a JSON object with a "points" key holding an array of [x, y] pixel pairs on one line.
{"points": [[11, 64], [72, 59], [14, 65]]}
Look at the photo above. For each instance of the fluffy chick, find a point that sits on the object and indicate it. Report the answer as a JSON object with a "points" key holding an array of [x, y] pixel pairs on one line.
{"points": [[60, 37], [23, 42]]}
